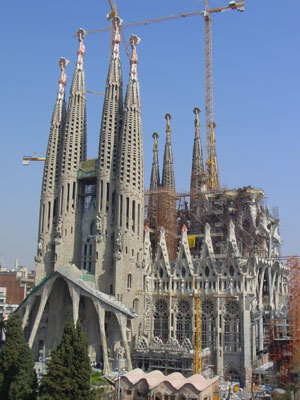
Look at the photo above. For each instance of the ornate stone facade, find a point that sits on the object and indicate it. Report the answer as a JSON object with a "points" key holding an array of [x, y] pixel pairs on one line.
{"points": [[224, 247]]}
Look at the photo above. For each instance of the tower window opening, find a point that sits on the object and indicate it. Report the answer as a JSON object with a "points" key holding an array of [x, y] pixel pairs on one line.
{"points": [[43, 216], [121, 209], [62, 200], [101, 194], [107, 196], [68, 196], [127, 212], [133, 215], [129, 278], [49, 214]]}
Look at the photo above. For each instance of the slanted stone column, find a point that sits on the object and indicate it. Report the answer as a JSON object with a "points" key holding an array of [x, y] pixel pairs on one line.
{"points": [[75, 295], [44, 297], [123, 322], [28, 308], [219, 336], [101, 318]]}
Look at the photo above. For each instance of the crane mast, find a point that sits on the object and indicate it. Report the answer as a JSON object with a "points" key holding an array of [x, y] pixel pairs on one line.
{"points": [[212, 171]]}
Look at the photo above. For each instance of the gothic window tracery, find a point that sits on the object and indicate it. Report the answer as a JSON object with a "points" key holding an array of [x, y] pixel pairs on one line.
{"points": [[183, 321], [161, 320], [232, 327], [208, 324], [87, 256]]}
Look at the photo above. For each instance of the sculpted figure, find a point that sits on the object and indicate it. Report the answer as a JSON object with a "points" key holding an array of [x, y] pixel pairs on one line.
{"points": [[59, 226]]}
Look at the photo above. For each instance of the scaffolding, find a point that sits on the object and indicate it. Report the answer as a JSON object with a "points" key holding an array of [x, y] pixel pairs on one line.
{"points": [[285, 338], [167, 218], [294, 309]]}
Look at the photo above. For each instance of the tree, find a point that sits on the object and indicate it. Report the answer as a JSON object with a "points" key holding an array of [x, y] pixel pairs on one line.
{"points": [[17, 375], [68, 370]]}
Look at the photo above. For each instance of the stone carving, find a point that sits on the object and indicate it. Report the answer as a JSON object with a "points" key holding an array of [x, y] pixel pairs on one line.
{"points": [[40, 246], [142, 344], [119, 240], [98, 224], [59, 226], [187, 345], [119, 351], [157, 341]]}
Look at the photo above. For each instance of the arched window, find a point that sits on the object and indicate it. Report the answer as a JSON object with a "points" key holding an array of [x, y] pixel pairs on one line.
{"points": [[135, 305], [232, 375], [208, 325], [87, 259], [232, 327], [183, 321], [129, 281], [161, 320]]}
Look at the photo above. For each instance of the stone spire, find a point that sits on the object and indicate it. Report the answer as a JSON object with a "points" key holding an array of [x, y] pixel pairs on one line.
{"points": [[74, 144], [130, 183], [110, 128], [131, 161], [197, 176], [44, 258], [57, 123], [168, 179], [155, 179], [67, 244], [153, 199]]}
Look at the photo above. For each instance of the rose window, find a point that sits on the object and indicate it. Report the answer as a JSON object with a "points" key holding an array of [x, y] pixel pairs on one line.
{"points": [[232, 307], [183, 306], [161, 306], [207, 307]]}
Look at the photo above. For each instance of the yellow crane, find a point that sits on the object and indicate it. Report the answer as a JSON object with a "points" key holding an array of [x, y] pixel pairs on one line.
{"points": [[26, 159], [197, 345], [212, 172]]}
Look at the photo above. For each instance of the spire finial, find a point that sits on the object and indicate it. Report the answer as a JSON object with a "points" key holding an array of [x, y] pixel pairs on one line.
{"points": [[63, 62], [81, 51], [134, 40], [168, 127], [155, 145], [116, 22], [197, 112]]}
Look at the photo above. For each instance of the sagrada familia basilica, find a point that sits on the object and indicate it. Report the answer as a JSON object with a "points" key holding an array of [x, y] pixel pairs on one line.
{"points": [[143, 275]]}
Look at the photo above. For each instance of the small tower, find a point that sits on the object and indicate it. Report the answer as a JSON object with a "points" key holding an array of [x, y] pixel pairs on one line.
{"points": [[197, 175], [130, 189], [48, 206], [167, 197], [155, 179], [70, 204], [168, 179], [153, 195]]}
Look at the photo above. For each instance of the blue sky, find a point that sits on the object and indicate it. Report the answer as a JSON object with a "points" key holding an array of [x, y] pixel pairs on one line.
{"points": [[256, 97]]}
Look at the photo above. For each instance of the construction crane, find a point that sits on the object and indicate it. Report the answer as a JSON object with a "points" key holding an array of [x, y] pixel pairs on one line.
{"points": [[26, 159], [93, 92], [197, 345], [212, 172]]}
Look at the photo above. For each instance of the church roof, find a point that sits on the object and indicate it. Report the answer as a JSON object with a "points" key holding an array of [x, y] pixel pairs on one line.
{"points": [[176, 379], [74, 275]]}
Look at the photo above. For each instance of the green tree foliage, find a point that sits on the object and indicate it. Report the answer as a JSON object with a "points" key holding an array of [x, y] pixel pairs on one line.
{"points": [[68, 370], [17, 376]]}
